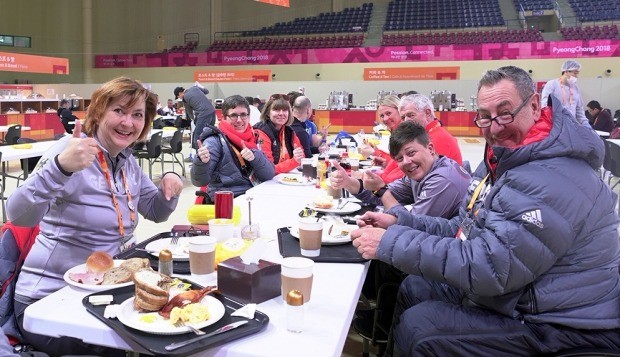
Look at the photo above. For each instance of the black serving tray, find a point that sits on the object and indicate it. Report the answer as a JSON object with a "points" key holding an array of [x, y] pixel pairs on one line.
{"points": [[178, 267], [156, 343], [342, 253]]}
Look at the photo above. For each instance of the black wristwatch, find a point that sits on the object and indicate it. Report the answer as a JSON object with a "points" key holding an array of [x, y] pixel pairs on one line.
{"points": [[380, 191]]}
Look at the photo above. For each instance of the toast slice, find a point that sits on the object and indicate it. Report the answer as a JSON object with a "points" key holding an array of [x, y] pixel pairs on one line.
{"points": [[151, 293], [135, 264], [116, 275]]}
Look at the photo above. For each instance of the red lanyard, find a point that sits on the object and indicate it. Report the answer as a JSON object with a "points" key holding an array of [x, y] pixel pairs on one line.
{"points": [[283, 151], [108, 179]]}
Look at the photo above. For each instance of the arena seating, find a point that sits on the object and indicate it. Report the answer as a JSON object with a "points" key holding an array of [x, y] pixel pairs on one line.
{"points": [[461, 38], [594, 10], [589, 32], [188, 47], [347, 20], [533, 5], [442, 14], [284, 43]]}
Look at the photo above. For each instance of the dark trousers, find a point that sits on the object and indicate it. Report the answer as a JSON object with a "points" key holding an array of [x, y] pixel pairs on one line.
{"points": [[430, 320], [200, 124], [61, 346]]}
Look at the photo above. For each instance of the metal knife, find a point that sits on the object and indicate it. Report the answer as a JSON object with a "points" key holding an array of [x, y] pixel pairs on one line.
{"points": [[231, 326]]}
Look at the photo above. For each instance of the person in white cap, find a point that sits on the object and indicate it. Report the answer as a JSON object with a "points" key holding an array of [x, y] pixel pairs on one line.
{"points": [[565, 88]]}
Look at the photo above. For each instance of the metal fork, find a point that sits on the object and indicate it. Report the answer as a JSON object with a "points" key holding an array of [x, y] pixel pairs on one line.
{"points": [[174, 240], [181, 323]]}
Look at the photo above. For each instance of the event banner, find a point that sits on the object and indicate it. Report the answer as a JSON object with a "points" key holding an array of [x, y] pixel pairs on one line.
{"points": [[411, 73], [284, 3], [18, 62], [263, 75], [486, 51]]}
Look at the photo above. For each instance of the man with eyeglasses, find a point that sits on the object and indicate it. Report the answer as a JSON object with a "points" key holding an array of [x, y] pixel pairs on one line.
{"points": [[566, 89], [531, 263], [419, 109]]}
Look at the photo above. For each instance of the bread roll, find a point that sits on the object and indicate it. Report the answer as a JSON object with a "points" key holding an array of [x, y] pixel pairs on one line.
{"points": [[99, 262]]}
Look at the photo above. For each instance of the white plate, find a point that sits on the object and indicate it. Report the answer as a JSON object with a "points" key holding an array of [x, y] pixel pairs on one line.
{"points": [[82, 269], [348, 208], [366, 163], [333, 239], [179, 251], [294, 180], [131, 318]]}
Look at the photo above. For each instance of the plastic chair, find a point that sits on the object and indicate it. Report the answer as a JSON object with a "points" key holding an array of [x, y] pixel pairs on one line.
{"points": [[175, 147], [152, 153], [12, 135], [374, 325]]}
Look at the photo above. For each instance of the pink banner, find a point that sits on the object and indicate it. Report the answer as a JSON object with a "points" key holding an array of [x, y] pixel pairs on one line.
{"points": [[487, 51]]}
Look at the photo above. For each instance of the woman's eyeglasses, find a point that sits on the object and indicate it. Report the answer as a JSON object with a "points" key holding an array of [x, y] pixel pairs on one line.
{"points": [[279, 96], [236, 116]]}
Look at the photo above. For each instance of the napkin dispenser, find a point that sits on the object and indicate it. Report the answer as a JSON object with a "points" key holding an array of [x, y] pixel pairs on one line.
{"points": [[249, 283]]}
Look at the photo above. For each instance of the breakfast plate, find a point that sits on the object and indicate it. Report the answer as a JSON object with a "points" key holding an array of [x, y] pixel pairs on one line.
{"points": [[180, 251], [92, 287], [350, 207], [332, 233], [152, 322], [294, 180]]}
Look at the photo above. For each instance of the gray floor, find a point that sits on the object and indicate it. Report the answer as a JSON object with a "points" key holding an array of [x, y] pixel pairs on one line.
{"points": [[471, 149]]}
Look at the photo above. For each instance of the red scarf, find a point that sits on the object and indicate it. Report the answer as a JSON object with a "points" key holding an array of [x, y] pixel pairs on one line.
{"points": [[236, 138]]}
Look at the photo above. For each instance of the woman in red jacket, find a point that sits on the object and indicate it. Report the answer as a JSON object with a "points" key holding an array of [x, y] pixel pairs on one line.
{"points": [[276, 138]]}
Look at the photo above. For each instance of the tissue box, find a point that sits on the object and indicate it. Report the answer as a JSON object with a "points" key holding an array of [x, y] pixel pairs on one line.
{"points": [[252, 283]]}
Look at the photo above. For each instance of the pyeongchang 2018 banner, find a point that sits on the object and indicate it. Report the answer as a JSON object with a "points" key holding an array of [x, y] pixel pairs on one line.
{"points": [[486, 51]]}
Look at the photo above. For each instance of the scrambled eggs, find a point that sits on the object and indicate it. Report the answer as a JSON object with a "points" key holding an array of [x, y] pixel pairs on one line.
{"points": [[192, 313]]}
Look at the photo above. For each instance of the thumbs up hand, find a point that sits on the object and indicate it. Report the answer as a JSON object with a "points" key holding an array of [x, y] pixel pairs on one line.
{"points": [[246, 153], [80, 152], [203, 152]]}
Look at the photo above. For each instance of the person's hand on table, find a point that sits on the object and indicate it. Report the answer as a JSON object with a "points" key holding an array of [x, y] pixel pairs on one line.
{"points": [[79, 153], [203, 152], [372, 181], [376, 219], [171, 185], [298, 154], [246, 153], [367, 240]]}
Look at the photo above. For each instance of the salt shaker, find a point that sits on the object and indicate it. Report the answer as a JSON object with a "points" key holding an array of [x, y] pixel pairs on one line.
{"points": [[295, 311], [165, 262]]}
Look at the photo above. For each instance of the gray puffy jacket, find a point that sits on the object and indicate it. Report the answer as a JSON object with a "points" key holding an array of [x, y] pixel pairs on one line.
{"points": [[223, 172], [544, 244]]}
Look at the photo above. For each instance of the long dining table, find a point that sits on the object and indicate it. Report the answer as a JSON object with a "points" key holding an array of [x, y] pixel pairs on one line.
{"points": [[335, 293]]}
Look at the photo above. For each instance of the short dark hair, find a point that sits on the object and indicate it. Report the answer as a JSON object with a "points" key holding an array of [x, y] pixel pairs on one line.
{"points": [[178, 90], [593, 104], [234, 101], [521, 79], [292, 95], [256, 101], [405, 133], [64, 101]]}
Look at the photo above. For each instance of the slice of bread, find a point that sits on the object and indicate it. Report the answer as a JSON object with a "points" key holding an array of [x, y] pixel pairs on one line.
{"points": [[116, 275], [146, 301], [149, 280], [151, 292], [135, 264]]}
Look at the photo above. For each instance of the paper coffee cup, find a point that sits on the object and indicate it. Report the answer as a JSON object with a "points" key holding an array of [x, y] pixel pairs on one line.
{"points": [[310, 236], [297, 275], [201, 255]]}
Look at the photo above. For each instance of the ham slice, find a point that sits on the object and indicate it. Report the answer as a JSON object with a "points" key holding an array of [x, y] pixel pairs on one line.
{"points": [[88, 278]]}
